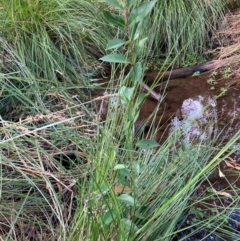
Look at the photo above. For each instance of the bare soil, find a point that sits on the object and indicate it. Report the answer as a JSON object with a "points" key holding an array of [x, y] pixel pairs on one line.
{"points": [[206, 84]]}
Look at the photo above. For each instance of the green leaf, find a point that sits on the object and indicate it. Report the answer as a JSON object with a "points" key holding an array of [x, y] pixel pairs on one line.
{"points": [[126, 198], [130, 118], [135, 33], [130, 3], [141, 11], [136, 168], [137, 72], [122, 180], [142, 42], [119, 166], [140, 45], [115, 43], [126, 93], [141, 97], [184, 145], [129, 225], [124, 172], [147, 144], [109, 216], [114, 19], [115, 58], [104, 187], [136, 114], [114, 3]]}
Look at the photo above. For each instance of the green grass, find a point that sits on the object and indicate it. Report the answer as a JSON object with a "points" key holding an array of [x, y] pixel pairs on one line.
{"points": [[62, 163], [55, 37], [37, 190], [182, 28], [159, 185], [66, 174]]}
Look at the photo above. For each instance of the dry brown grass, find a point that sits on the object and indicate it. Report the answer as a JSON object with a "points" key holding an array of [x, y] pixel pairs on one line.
{"points": [[37, 152], [228, 40]]}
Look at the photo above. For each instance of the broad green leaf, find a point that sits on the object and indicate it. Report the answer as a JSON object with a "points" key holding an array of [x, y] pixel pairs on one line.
{"points": [[142, 42], [135, 33], [124, 172], [136, 114], [119, 166], [109, 216], [130, 118], [130, 3], [129, 225], [184, 145], [115, 43], [147, 144], [140, 45], [122, 180], [114, 3], [126, 93], [115, 58], [126, 198], [141, 11], [136, 168], [104, 187], [141, 97], [114, 19], [137, 72]]}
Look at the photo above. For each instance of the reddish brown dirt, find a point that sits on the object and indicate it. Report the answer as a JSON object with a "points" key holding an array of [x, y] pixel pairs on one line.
{"points": [[228, 113], [178, 90]]}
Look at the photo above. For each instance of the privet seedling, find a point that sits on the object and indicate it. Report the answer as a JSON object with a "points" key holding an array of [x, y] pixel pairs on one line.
{"points": [[125, 52]]}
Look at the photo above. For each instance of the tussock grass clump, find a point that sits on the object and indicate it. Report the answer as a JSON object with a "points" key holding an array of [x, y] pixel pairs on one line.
{"points": [[36, 190], [228, 40], [23, 94], [184, 27], [232, 4], [55, 37], [65, 175], [41, 166]]}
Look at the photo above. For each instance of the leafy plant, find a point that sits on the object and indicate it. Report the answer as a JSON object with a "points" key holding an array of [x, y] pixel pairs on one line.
{"points": [[132, 20], [125, 204], [227, 73], [197, 73]]}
